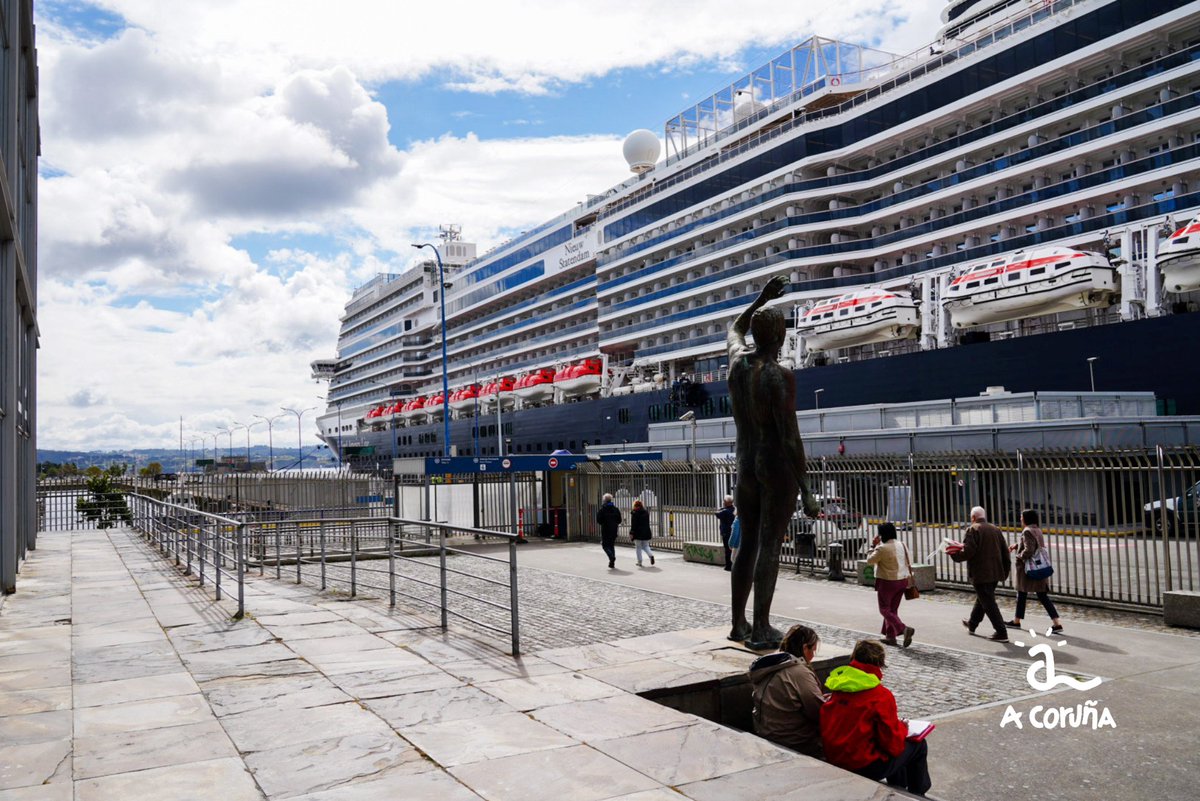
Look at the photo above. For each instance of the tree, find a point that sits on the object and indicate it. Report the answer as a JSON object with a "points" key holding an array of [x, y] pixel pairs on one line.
{"points": [[151, 470], [93, 472], [106, 507]]}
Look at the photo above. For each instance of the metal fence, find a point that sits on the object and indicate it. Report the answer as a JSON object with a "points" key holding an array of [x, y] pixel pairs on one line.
{"points": [[429, 563], [1121, 526]]}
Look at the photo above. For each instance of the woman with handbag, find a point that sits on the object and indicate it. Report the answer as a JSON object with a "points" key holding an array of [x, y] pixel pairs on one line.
{"points": [[1032, 557], [893, 576]]}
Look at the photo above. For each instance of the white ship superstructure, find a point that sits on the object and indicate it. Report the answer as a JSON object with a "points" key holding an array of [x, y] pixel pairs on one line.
{"points": [[1029, 126]]}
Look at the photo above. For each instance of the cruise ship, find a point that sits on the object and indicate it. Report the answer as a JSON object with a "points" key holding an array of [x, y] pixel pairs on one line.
{"points": [[1013, 204]]}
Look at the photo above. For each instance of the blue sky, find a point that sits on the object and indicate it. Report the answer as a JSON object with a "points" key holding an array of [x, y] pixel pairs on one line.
{"points": [[216, 177]]}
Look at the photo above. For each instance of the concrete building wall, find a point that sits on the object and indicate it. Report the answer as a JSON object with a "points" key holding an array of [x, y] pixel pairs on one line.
{"points": [[19, 150]]}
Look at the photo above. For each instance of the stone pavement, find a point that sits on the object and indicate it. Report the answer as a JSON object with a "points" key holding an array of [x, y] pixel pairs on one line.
{"points": [[119, 679]]}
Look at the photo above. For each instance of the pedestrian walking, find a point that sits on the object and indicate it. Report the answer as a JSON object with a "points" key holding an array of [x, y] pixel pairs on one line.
{"points": [[861, 729], [986, 553], [1031, 542], [639, 530], [609, 518], [735, 539], [893, 572], [726, 515]]}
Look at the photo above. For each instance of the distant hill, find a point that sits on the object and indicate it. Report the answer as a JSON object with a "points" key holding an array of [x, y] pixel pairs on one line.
{"points": [[171, 459]]}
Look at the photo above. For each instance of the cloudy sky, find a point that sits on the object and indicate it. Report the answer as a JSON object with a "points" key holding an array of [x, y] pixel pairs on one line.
{"points": [[218, 175]]}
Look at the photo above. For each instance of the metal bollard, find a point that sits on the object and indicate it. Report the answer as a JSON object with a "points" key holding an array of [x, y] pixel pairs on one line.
{"points": [[835, 562], [671, 524]]}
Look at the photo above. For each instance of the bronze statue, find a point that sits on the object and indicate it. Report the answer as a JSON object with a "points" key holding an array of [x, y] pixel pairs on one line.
{"points": [[770, 461]]}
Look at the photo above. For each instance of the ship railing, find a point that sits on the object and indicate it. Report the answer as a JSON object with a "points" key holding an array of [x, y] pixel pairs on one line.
{"points": [[990, 36], [466, 573], [1122, 525]]}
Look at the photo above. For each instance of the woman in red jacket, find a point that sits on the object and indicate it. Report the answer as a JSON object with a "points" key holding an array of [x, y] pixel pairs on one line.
{"points": [[861, 730]]}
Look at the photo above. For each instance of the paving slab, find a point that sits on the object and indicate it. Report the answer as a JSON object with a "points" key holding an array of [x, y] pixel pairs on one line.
{"points": [[579, 773]]}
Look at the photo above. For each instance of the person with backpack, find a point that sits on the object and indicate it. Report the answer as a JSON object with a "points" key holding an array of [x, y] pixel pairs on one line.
{"points": [[786, 694]]}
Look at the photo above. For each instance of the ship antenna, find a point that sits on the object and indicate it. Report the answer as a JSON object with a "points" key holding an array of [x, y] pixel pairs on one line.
{"points": [[451, 232]]}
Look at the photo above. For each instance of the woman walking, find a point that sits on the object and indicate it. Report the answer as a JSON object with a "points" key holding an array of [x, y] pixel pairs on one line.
{"points": [[1031, 541], [893, 569], [639, 529]]}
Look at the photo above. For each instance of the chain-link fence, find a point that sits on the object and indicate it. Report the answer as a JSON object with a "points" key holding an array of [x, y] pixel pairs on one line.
{"points": [[1122, 527]]}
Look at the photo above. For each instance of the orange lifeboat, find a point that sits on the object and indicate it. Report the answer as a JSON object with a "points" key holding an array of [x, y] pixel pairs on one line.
{"points": [[582, 378], [536, 386], [463, 399], [501, 391], [414, 410]]}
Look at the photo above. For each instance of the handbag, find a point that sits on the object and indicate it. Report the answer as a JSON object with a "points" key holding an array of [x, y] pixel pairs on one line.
{"points": [[911, 593], [1038, 567]]}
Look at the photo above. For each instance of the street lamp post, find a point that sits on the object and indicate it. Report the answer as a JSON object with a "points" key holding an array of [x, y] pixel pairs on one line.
{"points": [[229, 432], [817, 398], [299, 436], [1091, 371], [690, 417], [445, 365], [248, 426], [192, 442], [270, 421]]}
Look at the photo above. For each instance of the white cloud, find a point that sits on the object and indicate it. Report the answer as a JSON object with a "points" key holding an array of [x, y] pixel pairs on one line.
{"points": [[204, 122]]}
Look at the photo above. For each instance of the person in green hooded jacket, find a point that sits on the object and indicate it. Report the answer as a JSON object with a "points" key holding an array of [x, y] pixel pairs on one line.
{"points": [[861, 730]]}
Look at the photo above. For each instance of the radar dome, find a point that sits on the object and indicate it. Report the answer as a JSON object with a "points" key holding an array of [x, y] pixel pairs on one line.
{"points": [[745, 106], [641, 150]]}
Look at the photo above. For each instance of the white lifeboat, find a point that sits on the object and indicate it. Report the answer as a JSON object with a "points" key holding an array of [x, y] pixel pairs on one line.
{"points": [[499, 391], [464, 399], [582, 378], [859, 318], [1029, 283], [536, 386], [1179, 259]]}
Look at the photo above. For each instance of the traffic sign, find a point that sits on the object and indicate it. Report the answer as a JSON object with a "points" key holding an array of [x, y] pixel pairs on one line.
{"points": [[507, 463], [553, 463]]}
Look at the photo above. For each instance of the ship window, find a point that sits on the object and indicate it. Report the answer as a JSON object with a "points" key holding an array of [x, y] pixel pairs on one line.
{"points": [[877, 303], [972, 285], [843, 312], [1180, 241], [997, 264], [993, 280], [622, 415], [1063, 264]]}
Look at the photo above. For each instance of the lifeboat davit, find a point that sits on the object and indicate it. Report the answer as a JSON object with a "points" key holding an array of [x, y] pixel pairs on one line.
{"points": [[414, 410], [582, 378], [1179, 259], [1029, 283], [499, 391], [536, 386], [463, 399], [859, 318]]}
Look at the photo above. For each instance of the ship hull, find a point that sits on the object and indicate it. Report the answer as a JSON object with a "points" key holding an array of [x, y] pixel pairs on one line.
{"points": [[1131, 356]]}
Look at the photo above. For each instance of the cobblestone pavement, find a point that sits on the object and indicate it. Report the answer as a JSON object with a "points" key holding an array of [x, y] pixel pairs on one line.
{"points": [[559, 610], [1068, 611]]}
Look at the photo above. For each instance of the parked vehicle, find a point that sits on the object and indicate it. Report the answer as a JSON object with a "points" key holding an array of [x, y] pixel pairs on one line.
{"points": [[836, 522], [1182, 515]]}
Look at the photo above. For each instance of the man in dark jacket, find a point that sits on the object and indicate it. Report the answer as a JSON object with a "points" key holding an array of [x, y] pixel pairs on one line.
{"points": [[609, 518], [986, 553], [726, 515]]}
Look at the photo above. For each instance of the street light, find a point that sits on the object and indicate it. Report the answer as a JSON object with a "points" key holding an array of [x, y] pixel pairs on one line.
{"points": [[1091, 371], [192, 442], [817, 398], [270, 421], [299, 436], [690, 417], [248, 426], [445, 366], [228, 431]]}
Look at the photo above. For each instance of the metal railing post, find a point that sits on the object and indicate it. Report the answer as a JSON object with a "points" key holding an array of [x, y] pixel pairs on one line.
{"points": [[278, 554], [1162, 511], [240, 555], [353, 561], [442, 570], [391, 564], [299, 553], [512, 597], [217, 561], [200, 553], [322, 536]]}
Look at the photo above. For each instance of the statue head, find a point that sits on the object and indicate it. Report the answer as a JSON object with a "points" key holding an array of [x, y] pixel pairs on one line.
{"points": [[769, 328]]}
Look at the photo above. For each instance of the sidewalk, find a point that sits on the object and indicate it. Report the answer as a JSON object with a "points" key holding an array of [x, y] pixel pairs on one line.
{"points": [[121, 680], [1151, 687]]}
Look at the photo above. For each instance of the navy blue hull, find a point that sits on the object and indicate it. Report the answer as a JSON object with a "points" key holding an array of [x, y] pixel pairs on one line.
{"points": [[1157, 355]]}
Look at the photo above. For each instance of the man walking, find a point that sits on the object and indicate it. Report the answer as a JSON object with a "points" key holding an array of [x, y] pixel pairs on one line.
{"points": [[986, 553], [609, 518], [726, 514]]}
